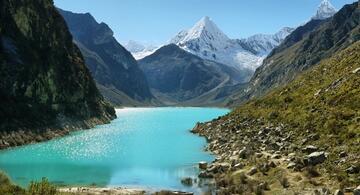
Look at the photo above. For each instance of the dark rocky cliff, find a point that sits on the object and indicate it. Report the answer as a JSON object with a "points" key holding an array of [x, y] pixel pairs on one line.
{"points": [[45, 88]]}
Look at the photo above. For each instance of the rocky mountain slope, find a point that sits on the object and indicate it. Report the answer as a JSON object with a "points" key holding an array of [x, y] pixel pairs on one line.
{"points": [[207, 41], [45, 88], [305, 47], [112, 66], [177, 76], [302, 138]]}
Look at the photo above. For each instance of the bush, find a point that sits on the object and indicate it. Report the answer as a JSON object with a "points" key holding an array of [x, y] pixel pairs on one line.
{"points": [[7, 188], [284, 182], [41, 188], [311, 172], [4, 179]]}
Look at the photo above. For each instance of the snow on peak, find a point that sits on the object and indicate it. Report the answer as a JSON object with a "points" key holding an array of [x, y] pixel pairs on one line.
{"points": [[205, 29], [134, 46], [283, 33], [325, 10], [207, 41], [262, 44], [139, 50]]}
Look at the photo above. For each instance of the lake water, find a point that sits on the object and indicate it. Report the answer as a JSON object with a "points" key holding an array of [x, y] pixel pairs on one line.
{"points": [[150, 148]]}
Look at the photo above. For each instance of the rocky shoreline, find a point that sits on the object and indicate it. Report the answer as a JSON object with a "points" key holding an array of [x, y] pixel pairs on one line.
{"points": [[116, 191], [255, 156], [20, 137], [98, 191]]}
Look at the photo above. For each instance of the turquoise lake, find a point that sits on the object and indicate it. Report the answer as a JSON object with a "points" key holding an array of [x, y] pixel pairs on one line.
{"points": [[151, 148]]}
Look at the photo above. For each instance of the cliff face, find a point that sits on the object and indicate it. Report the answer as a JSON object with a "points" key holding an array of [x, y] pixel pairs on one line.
{"points": [[44, 81], [111, 65]]}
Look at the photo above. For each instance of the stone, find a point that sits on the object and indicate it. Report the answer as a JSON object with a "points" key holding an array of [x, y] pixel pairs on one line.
{"points": [[243, 153], [234, 159], [348, 190], [353, 170], [187, 181], [276, 156], [357, 191], [264, 186], [238, 166], [218, 168], [291, 165], [252, 171], [313, 137], [272, 164], [322, 191], [339, 192], [309, 149], [293, 154], [203, 165], [356, 71], [316, 158], [343, 154], [224, 166], [204, 174], [174, 192]]}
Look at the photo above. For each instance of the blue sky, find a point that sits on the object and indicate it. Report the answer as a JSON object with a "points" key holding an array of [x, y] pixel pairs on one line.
{"points": [[157, 21]]}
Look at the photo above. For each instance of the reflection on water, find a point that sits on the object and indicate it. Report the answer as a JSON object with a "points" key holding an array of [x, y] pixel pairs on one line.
{"points": [[146, 147]]}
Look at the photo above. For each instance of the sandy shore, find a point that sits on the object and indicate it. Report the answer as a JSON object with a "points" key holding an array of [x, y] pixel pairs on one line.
{"points": [[110, 191]]}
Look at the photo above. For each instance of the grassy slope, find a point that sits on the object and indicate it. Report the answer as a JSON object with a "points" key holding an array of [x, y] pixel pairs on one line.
{"points": [[323, 100]]}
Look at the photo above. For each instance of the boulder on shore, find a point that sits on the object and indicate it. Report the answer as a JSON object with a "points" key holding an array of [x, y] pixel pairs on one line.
{"points": [[316, 158], [203, 165]]}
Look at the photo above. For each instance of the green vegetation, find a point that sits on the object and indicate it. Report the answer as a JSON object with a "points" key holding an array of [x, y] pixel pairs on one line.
{"points": [[265, 142], [35, 188], [322, 101]]}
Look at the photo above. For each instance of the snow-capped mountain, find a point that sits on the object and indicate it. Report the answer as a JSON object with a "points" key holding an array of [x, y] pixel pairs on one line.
{"points": [[262, 44], [207, 41], [325, 10], [204, 33], [139, 50]]}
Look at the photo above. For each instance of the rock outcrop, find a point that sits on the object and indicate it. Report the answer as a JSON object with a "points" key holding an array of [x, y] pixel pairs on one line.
{"points": [[45, 88]]}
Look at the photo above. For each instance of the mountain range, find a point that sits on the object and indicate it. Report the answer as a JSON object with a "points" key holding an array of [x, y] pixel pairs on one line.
{"points": [[302, 49], [207, 41], [114, 68], [176, 76], [296, 125]]}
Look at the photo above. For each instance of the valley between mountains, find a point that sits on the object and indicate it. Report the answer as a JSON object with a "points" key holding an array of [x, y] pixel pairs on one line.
{"points": [[294, 124]]}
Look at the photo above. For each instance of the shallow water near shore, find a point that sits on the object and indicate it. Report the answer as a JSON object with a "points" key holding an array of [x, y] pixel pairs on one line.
{"points": [[150, 148]]}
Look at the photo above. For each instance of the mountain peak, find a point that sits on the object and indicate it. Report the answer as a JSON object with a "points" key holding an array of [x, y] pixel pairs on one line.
{"points": [[325, 10], [204, 22], [205, 29]]}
